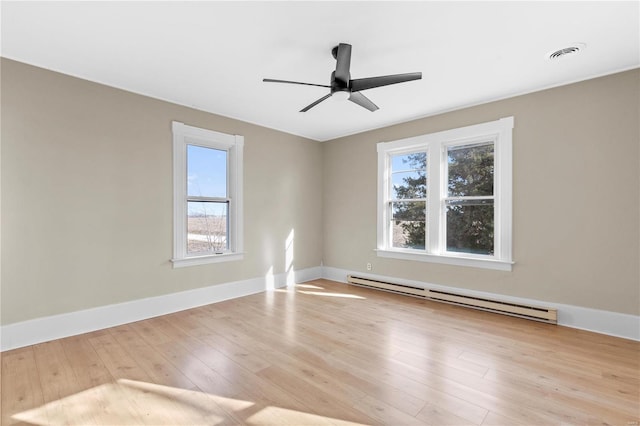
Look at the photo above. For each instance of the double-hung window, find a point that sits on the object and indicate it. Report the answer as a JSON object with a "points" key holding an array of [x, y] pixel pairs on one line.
{"points": [[207, 196], [446, 197]]}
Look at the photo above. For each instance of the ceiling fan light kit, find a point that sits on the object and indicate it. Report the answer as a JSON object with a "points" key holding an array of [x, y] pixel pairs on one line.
{"points": [[340, 95], [342, 87]]}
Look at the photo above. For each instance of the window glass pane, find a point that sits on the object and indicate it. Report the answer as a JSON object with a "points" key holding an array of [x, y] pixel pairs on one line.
{"points": [[409, 175], [413, 161], [470, 170], [408, 221], [207, 226], [206, 172], [470, 226]]}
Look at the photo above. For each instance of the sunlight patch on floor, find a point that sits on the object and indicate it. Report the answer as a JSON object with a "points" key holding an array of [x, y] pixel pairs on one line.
{"points": [[328, 294], [130, 402], [276, 415], [319, 292], [311, 286]]}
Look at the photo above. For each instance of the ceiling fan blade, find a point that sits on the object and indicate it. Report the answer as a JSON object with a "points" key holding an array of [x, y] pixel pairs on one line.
{"points": [[343, 58], [384, 80], [271, 80], [363, 101], [308, 107]]}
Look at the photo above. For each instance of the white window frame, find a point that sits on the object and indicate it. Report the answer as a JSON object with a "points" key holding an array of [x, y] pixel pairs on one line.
{"points": [[435, 145], [184, 135]]}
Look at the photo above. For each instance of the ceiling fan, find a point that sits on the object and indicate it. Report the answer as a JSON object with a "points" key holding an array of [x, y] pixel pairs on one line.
{"points": [[343, 87]]}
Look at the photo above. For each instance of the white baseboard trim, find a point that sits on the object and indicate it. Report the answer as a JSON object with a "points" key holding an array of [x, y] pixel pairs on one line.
{"points": [[338, 275], [44, 329], [48, 328], [308, 274], [596, 320]]}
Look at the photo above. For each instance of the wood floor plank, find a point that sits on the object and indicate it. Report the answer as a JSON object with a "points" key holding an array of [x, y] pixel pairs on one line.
{"points": [[216, 373], [238, 356], [140, 404], [199, 373], [151, 361], [359, 379], [570, 390], [494, 419], [397, 376], [321, 403], [59, 383], [326, 353], [21, 387], [85, 362], [231, 344], [437, 416]]}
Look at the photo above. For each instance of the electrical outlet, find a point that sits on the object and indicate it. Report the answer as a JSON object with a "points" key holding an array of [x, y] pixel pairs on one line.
{"points": [[368, 266]]}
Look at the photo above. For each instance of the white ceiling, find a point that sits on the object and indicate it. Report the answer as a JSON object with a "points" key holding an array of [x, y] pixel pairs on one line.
{"points": [[213, 55]]}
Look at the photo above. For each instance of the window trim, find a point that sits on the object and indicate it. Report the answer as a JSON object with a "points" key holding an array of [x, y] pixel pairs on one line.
{"points": [[435, 144], [184, 135]]}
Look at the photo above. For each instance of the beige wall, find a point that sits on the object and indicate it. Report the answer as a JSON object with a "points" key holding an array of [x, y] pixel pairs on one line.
{"points": [[87, 196], [576, 197]]}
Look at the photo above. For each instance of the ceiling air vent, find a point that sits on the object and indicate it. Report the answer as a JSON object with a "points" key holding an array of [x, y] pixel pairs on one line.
{"points": [[567, 51]]}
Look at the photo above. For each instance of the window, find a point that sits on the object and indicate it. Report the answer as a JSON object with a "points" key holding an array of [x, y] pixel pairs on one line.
{"points": [[446, 197], [207, 176]]}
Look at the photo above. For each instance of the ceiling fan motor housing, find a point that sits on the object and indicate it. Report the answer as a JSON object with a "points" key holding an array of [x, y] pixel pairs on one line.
{"points": [[334, 52], [337, 85]]}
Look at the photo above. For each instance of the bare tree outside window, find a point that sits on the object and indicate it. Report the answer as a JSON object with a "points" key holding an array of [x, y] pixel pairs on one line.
{"points": [[207, 202], [207, 227]]}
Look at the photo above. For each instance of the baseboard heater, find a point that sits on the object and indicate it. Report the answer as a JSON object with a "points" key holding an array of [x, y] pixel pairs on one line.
{"points": [[535, 313]]}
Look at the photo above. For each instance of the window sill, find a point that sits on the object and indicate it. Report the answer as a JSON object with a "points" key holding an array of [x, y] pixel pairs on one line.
{"points": [[499, 265], [203, 260]]}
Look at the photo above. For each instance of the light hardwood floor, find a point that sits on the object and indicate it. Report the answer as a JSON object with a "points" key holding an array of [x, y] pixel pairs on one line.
{"points": [[326, 353]]}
